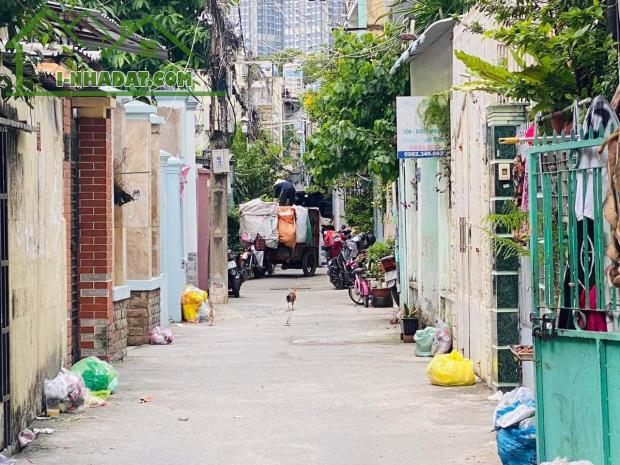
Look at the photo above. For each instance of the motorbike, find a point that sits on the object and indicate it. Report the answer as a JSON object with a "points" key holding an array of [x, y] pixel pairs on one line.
{"points": [[390, 269], [253, 260], [340, 268], [234, 274], [359, 291]]}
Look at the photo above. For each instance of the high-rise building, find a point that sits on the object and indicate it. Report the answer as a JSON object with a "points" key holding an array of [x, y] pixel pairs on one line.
{"points": [[262, 26], [272, 25], [306, 24], [337, 11]]}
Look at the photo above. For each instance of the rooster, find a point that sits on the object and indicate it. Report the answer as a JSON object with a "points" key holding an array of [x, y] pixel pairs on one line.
{"points": [[290, 304]]}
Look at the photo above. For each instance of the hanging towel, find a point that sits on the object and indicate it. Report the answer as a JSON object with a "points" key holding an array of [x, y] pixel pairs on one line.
{"points": [[601, 118]]}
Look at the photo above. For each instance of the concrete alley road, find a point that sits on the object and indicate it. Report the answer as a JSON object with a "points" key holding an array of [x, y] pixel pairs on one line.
{"points": [[337, 387]]}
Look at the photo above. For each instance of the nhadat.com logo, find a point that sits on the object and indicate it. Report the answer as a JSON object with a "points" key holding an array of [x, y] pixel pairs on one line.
{"points": [[172, 80]]}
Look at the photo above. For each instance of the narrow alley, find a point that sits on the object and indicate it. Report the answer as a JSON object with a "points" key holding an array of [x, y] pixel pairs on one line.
{"points": [[336, 387]]}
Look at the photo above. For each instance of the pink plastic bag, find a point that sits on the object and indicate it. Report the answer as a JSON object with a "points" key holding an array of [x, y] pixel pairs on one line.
{"points": [[442, 342], [160, 336]]}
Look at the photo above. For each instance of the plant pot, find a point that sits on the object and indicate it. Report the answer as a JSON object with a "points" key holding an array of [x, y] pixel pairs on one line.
{"points": [[381, 297], [408, 328], [560, 122]]}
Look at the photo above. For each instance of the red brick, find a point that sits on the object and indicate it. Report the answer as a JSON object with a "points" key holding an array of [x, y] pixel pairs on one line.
{"points": [[92, 188], [95, 307], [92, 143]]}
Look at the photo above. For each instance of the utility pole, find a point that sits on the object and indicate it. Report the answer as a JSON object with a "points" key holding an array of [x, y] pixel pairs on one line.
{"points": [[218, 272]]}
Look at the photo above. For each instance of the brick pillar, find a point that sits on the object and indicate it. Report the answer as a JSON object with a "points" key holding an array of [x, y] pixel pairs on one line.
{"points": [[67, 215], [95, 164]]}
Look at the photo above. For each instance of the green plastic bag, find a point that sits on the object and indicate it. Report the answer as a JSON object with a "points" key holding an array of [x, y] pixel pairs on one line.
{"points": [[103, 394], [424, 341], [96, 373]]}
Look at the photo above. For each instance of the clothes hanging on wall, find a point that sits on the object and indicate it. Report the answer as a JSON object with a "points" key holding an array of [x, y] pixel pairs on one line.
{"points": [[601, 119], [595, 320]]}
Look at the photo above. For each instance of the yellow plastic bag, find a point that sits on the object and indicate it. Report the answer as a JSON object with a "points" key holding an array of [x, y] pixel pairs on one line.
{"points": [[451, 370], [190, 312], [191, 300]]}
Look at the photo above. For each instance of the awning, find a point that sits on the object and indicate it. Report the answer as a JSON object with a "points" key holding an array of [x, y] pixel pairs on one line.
{"points": [[97, 30], [425, 41]]}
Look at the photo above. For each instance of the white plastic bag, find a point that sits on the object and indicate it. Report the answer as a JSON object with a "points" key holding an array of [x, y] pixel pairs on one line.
{"points": [[56, 388], [301, 223], [258, 217]]}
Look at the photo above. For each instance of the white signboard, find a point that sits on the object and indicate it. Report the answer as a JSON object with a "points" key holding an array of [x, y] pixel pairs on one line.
{"points": [[220, 161], [413, 140]]}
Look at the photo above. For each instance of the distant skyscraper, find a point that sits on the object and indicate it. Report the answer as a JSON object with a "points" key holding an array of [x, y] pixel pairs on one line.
{"points": [[337, 10], [262, 26], [272, 25]]}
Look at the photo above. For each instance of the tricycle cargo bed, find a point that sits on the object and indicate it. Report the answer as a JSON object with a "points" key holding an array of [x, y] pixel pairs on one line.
{"points": [[304, 256]]}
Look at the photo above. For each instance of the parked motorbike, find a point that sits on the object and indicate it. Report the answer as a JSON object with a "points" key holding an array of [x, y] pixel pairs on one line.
{"points": [[359, 291], [340, 268], [390, 269], [253, 260], [234, 275]]}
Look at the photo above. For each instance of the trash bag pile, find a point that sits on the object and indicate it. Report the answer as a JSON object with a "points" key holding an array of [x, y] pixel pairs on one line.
{"points": [[193, 303], [451, 370], [90, 382], [160, 336], [277, 225], [515, 424], [424, 341]]}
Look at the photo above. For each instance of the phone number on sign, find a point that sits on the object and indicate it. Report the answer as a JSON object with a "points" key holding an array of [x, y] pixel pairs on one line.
{"points": [[423, 154]]}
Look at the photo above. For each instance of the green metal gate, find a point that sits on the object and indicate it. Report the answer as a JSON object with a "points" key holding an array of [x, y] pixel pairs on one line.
{"points": [[577, 367]]}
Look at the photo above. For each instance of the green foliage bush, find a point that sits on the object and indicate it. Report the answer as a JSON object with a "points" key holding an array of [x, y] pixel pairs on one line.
{"points": [[354, 110], [358, 212]]}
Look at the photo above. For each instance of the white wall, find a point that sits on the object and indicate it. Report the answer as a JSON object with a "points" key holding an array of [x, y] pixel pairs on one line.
{"points": [[471, 177], [426, 219]]}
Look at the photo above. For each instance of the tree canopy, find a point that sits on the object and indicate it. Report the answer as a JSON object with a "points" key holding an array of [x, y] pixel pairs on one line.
{"points": [[563, 49], [354, 109], [257, 165]]}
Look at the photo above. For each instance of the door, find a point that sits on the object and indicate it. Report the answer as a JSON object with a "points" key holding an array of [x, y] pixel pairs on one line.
{"points": [[8, 146], [577, 350], [461, 166]]}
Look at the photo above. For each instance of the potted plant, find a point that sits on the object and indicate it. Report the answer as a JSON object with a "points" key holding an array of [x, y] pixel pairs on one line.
{"points": [[409, 323], [381, 294]]}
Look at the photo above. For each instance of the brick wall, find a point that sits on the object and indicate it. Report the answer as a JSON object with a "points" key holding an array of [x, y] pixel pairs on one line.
{"points": [[142, 315], [119, 330], [95, 255], [67, 216]]}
